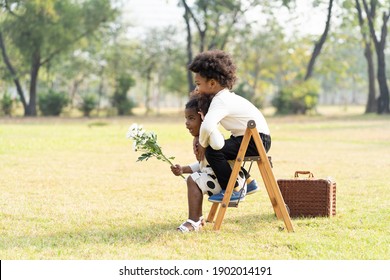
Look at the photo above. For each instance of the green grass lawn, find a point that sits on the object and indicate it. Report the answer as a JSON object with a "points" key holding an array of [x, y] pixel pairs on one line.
{"points": [[72, 189]]}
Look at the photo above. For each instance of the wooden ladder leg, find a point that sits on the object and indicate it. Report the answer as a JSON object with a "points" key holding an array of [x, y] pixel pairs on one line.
{"points": [[213, 211], [280, 207], [232, 180], [270, 191], [270, 181], [226, 197]]}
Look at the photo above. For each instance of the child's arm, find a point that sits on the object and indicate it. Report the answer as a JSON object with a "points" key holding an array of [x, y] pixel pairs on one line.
{"points": [[209, 133], [179, 170], [216, 141]]}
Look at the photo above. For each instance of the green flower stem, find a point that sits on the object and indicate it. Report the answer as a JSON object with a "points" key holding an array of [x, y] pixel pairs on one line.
{"points": [[165, 158]]}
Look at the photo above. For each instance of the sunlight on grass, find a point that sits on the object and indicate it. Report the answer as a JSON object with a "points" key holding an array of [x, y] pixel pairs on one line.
{"points": [[72, 189]]}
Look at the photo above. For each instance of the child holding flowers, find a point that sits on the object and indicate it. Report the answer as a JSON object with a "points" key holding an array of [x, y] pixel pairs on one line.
{"points": [[202, 179]]}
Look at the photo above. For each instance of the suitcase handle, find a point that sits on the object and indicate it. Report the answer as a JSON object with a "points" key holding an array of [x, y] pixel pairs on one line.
{"points": [[303, 172]]}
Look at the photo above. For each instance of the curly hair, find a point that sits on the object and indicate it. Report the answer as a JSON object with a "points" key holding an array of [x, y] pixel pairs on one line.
{"points": [[200, 102], [217, 65]]}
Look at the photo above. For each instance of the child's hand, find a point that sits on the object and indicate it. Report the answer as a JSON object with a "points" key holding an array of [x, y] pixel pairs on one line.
{"points": [[200, 152], [195, 144], [176, 169]]}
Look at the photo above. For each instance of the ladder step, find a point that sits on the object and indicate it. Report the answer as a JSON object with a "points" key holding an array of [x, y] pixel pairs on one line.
{"points": [[257, 158], [233, 204]]}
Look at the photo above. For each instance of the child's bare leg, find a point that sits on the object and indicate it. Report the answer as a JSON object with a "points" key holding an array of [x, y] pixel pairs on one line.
{"points": [[195, 201]]}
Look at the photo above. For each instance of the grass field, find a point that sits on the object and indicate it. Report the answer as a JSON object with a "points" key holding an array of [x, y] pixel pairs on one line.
{"points": [[72, 189]]}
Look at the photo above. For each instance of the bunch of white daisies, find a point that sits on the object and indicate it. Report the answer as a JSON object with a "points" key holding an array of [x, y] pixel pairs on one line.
{"points": [[146, 142]]}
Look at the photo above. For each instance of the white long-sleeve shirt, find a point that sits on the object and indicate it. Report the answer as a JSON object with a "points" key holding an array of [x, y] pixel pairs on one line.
{"points": [[217, 141], [233, 112]]}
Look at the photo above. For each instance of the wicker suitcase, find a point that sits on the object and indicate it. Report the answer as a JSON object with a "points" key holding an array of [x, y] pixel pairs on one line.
{"points": [[309, 197]]}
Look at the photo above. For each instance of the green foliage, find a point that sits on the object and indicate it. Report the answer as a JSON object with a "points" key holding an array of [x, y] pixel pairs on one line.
{"points": [[52, 103], [120, 100], [88, 103], [6, 104], [245, 90], [297, 98], [173, 71], [49, 27], [65, 41], [40, 31]]}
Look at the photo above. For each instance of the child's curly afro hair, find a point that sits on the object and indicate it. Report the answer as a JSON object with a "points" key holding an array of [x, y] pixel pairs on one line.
{"points": [[217, 65]]}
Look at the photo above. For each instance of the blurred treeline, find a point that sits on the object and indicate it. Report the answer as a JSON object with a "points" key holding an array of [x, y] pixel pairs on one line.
{"points": [[77, 56]]}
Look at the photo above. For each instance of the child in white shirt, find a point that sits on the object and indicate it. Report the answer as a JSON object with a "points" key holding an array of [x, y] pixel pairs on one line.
{"points": [[202, 179], [215, 73]]}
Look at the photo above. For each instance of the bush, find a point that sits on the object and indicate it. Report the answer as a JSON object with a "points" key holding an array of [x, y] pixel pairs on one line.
{"points": [[297, 98], [120, 101], [6, 104], [247, 91], [52, 103], [123, 104], [88, 103]]}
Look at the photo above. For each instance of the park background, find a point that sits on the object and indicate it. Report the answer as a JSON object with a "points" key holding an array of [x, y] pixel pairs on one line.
{"points": [[76, 74]]}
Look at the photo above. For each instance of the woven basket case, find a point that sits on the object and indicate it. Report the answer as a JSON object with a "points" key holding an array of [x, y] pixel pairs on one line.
{"points": [[309, 197]]}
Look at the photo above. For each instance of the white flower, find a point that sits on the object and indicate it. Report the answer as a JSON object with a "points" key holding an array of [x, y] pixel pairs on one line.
{"points": [[130, 133], [140, 131], [146, 143], [134, 131]]}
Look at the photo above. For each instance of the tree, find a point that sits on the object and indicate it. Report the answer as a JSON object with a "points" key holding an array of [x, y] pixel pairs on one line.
{"points": [[120, 100], [156, 60], [260, 67], [115, 66], [215, 22], [319, 44], [380, 44], [300, 96], [342, 69], [172, 74], [371, 105], [40, 30]]}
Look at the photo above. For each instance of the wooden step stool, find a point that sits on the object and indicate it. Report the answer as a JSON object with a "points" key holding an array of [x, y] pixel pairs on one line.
{"points": [[266, 173]]}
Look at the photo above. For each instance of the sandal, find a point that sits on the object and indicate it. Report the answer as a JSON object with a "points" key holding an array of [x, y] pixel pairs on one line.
{"points": [[195, 225]]}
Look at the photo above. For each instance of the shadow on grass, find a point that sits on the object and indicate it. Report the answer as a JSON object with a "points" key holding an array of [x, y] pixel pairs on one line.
{"points": [[248, 223]]}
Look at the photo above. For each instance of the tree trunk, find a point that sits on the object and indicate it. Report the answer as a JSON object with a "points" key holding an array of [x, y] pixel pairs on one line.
{"points": [[189, 51], [383, 100], [371, 101], [147, 93], [318, 45], [32, 104], [188, 14], [100, 89], [11, 69]]}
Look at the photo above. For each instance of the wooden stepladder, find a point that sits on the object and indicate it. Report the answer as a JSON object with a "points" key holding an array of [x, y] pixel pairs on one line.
{"points": [[270, 183]]}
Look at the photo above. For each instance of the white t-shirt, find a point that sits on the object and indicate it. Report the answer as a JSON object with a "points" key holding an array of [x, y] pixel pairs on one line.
{"points": [[233, 112]]}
